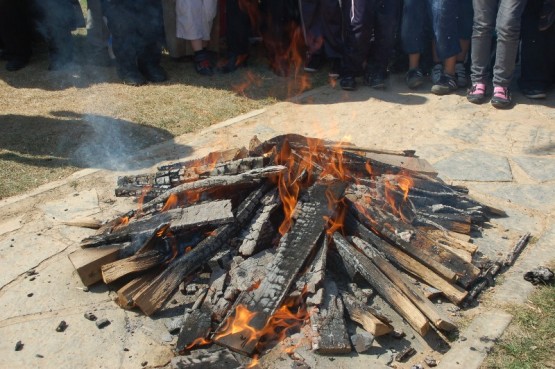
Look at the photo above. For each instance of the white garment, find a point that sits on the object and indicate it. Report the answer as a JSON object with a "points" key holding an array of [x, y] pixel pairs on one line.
{"points": [[194, 18]]}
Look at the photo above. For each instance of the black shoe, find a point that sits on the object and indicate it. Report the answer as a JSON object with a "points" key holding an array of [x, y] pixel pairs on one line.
{"points": [[348, 83], [375, 80], [153, 72], [234, 62], [131, 77], [335, 68], [533, 93], [16, 64], [203, 64], [445, 85], [313, 63], [414, 78]]}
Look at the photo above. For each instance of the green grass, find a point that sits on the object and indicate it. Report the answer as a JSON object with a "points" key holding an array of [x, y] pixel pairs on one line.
{"points": [[529, 342]]}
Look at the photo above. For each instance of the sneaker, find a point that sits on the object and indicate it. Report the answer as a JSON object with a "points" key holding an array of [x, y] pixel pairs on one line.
{"points": [[375, 80], [203, 65], [335, 68], [414, 78], [437, 72], [445, 85], [501, 97], [313, 63], [477, 93], [534, 93], [460, 73], [348, 83]]}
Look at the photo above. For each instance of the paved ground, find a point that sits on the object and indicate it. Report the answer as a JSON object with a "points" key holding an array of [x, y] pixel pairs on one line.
{"points": [[506, 158]]}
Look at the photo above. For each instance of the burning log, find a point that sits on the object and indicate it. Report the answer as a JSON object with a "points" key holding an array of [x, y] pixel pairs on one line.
{"points": [[291, 255], [382, 284], [260, 230], [211, 213], [151, 298], [250, 177]]}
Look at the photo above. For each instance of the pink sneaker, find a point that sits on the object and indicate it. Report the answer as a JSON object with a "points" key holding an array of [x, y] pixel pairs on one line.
{"points": [[477, 93], [501, 97]]}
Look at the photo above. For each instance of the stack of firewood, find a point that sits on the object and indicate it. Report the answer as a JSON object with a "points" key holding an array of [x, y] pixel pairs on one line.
{"points": [[290, 222]]}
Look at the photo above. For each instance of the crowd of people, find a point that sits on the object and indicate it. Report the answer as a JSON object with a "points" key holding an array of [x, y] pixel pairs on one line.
{"points": [[461, 43]]}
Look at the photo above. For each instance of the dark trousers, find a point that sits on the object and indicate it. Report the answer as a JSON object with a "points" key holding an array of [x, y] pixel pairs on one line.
{"points": [[537, 50], [15, 28], [385, 24], [137, 31], [357, 17], [322, 27], [427, 20], [241, 16], [56, 21]]}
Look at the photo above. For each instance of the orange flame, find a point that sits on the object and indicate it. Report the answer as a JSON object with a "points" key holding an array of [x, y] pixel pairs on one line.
{"points": [[145, 190], [403, 184], [254, 362], [122, 223], [171, 202], [201, 341], [291, 315], [251, 79]]}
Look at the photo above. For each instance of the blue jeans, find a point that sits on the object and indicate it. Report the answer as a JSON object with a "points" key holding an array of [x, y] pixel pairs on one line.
{"points": [[504, 17], [424, 20]]}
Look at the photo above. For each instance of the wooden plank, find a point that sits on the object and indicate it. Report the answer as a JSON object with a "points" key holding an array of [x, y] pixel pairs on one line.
{"points": [[125, 293], [365, 316], [438, 319], [249, 177], [214, 357], [260, 231], [152, 298], [411, 265], [453, 239], [214, 213], [382, 285], [293, 250], [88, 262], [414, 164], [196, 325], [133, 264], [328, 323], [415, 242]]}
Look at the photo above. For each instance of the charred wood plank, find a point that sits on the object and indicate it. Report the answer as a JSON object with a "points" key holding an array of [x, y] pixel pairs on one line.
{"points": [[293, 250], [213, 213], [438, 319], [365, 316], [449, 239], [328, 323], [415, 242], [313, 277], [260, 231], [382, 284], [196, 324], [251, 271], [250, 177], [153, 297], [408, 263], [214, 357]]}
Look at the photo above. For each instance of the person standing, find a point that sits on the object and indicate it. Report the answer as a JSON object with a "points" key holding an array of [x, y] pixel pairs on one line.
{"points": [[137, 32], [194, 23], [15, 32], [97, 34], [503, 16]]}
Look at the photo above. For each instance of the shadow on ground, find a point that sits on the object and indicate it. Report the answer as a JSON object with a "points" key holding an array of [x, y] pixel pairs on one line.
{"points": [[84, 141]]}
